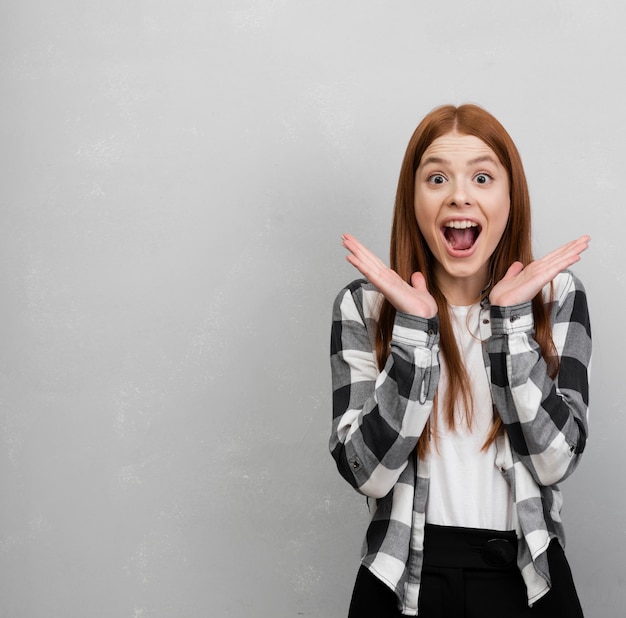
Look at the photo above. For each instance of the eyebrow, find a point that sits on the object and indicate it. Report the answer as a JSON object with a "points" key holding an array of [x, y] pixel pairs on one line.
{"points": [[440, 161], [482, 159]]}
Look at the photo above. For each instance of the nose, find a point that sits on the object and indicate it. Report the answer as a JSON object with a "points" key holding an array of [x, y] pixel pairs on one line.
{"points": [[460, 195]]}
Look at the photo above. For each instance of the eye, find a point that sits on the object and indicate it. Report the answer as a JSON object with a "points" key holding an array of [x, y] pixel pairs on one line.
{"points": [[482, 178], [436, 179]]}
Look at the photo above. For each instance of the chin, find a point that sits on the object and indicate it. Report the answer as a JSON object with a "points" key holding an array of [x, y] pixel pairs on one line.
{"points": [[465, 271]]}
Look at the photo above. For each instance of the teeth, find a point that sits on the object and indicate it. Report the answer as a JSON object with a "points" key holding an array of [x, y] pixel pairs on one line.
{"points": [[461, 225]]}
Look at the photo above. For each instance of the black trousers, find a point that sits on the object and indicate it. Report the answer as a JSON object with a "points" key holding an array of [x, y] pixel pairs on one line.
{"points": [[471, 574]]}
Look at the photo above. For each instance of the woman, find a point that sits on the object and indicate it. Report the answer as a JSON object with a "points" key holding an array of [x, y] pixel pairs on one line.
{"points": [[460, 387]]}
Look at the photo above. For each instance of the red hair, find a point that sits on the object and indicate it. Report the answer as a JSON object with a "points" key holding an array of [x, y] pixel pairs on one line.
{"points": [[409, 252]]}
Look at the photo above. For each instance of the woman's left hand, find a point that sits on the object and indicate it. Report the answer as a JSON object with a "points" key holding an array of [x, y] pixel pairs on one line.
{"points": [[521, 284]]}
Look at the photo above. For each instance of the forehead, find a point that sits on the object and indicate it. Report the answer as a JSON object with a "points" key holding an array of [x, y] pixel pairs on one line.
{"points": [[458, 148]]}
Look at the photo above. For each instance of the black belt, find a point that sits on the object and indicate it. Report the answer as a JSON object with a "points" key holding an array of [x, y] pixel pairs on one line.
{"points": [[472, 548]]}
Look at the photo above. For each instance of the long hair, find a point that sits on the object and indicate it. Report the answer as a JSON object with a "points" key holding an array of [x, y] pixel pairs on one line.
{"points": [[410, 253]]}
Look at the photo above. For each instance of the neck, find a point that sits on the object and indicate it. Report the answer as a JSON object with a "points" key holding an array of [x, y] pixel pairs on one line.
{"points": [[461, 290]]}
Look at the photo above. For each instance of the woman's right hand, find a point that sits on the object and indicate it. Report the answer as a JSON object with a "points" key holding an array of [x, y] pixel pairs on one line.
{"points": [[413, 298]]}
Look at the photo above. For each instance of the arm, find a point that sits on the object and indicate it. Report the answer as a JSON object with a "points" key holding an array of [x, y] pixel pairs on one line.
{"points": [[545, 418], [378, 416]]}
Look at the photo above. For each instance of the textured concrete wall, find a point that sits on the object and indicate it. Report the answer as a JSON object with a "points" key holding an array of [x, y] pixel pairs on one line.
{"points": [[175, 178]]}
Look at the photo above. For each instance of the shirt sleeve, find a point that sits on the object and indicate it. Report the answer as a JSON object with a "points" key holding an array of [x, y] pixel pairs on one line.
{"points": [[546, 419], [378, 416]]}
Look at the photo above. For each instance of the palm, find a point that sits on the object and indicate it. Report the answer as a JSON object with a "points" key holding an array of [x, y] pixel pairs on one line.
{"points": [[522, 283], [412, 298]]}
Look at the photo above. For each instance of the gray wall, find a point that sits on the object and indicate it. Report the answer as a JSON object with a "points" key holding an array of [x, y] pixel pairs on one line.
{"points": [[175, 178]]}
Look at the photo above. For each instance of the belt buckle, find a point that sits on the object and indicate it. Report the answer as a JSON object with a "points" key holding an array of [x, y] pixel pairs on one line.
{"points": [[498, 553]]}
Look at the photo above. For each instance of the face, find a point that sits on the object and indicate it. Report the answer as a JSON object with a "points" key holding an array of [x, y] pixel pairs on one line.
{"points": [[462, 207]]}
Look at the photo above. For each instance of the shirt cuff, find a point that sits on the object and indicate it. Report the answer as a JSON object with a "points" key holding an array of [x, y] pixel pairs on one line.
{"points": [[511, 320], [413, 330]]}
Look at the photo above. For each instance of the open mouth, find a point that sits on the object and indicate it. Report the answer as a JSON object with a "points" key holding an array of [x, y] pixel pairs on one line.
{"points": [[461, 235]]}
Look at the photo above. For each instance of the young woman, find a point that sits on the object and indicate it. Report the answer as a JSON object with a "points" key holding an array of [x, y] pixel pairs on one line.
{"points": [[460, 388]]}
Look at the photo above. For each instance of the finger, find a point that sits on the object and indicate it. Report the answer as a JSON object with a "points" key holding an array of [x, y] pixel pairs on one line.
{"points": [[368, 264], [357, 250], [418, 281], [574, 246], [558, 266], [360, 251], [369, 270], [546, 268], [562, 258], [514, 269]]}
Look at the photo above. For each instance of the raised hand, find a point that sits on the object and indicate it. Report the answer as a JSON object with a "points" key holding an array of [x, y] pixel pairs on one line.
{"points": [[411, 298], [521, 284]]}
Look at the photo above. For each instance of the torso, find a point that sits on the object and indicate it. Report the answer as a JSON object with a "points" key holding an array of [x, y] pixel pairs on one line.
{"points": [[466, 488]]}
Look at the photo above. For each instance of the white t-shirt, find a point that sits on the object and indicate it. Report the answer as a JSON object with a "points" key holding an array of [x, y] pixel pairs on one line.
{"points": [[466, 488]]}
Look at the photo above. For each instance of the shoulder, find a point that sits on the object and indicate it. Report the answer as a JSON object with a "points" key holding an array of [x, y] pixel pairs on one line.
{"points": [[569, 301], [563, 286], [358, 300]]}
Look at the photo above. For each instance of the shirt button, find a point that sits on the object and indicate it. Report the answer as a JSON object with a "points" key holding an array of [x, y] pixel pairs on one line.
{"points": [[356, 464], [513, 318], [485, 321]]}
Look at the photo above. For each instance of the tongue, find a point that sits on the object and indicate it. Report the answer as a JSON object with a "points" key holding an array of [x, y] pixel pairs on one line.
{"points": [[460, 239]]}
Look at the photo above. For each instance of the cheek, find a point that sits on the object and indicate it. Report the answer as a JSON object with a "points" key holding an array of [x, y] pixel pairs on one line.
{"points": [[502, 219], [425, 218], [426, 227]]}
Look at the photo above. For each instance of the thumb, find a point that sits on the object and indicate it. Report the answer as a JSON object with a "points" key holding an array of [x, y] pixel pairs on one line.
{"points": [[418, 281], [514, 269]]}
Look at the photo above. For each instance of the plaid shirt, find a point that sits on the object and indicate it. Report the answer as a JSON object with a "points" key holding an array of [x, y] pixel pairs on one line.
{"points": [[378, 417]]}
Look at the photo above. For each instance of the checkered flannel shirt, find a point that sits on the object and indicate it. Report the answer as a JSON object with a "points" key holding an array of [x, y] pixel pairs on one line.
{"points": [[378, 417]]}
